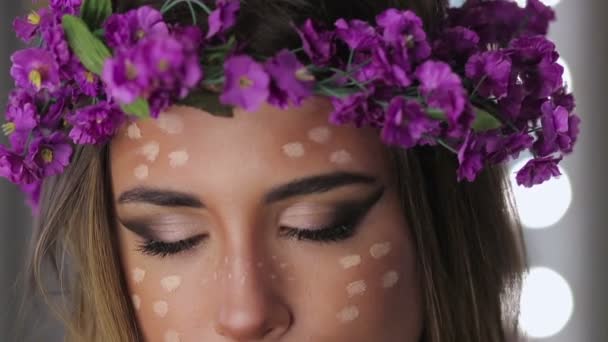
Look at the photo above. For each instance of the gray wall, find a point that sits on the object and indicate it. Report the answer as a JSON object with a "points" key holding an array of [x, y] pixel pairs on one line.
{"points": [[576, 247]]}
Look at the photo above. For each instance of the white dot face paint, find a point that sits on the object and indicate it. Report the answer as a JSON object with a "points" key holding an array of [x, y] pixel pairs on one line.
{"points": [[390, 279], [141, 172], [171, 283], [356, 288], [133, 132], [150, 151], [341, 157], [138, 275], [348, 314], [136, 301], [320, 135], [380, 250], [178, 158], [170, 123], [294, 150], [283, 265], [350, 261], [172, 336], [161, 308]]}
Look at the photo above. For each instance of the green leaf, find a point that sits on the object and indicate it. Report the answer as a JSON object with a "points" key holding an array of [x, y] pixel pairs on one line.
{"points": [[485, 121], [209, 102], [139, 108], [95, 12], [91, 51], [436, 114]]}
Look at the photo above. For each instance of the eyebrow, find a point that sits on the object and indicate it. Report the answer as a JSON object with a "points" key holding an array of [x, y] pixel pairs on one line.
{"points": [[299, 187]]}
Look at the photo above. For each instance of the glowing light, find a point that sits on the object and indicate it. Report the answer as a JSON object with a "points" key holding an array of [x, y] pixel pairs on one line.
{"points": [[552, 3], [567, 74], [546, 303], [542, 205]]}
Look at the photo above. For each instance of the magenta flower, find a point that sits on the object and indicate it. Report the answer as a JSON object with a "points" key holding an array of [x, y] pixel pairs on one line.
{"points": [[538, 170], [223, 18], [319, 46], [560, 130], [35, 69], [357, 34], [126, 29], [442, 89], [27, 27], [95, 124], [406, 123], [66, 6], [57, 44], [538, 17], [405, 29], [87, 83], [247, 83], [490, 72], [391, 65], [21, 120], [32, 194], [15, 168], [291, 81], [349, 109], [470, 157], [456, 44], [50, 154]]}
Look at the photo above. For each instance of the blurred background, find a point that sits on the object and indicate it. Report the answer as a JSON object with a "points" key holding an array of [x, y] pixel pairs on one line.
{"points": [[565, 296]]}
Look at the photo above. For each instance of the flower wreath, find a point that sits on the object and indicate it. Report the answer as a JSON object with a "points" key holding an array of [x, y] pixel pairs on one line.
{"points": [[487, 88]]}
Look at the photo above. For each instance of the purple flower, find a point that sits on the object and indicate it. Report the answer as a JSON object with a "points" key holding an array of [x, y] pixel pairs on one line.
{"points": [[66, 6], [291, 81], [404, 29], [357, 34], [500, 148], [319, 46], [57, 44], [442, 89], [32, 195], [126, 29], [15, 168], [456, 44], [348, 109], [538, 170], [223, 18], [27, 27], [21, 120], [95, 124], [35, 69], [538, 17], [247, 83], [51, 154], [470, 157], [490, 72], [406, 123], [392, 65], [560, 130]]}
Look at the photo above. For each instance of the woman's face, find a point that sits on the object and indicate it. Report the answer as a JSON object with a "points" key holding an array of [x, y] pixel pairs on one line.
{"points": [[269, 226]]}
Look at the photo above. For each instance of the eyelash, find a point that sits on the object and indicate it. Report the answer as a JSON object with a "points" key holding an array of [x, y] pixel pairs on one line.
{"points": [[344, 227]]}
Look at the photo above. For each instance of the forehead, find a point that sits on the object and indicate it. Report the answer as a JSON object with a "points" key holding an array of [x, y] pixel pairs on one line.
{"points": [[186, 148]]}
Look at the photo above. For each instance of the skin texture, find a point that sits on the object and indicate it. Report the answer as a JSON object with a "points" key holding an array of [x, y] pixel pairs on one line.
{"points": [[245, 281]]}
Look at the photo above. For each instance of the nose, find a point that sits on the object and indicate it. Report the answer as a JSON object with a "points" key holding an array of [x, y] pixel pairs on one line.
{"points": [[251, 308]]}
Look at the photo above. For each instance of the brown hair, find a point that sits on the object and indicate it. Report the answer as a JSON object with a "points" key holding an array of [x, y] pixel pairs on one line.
{"points": [[468, 239]]}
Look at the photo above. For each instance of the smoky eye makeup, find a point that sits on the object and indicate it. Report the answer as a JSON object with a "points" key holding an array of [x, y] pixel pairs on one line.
{"points": [[316, 224]]}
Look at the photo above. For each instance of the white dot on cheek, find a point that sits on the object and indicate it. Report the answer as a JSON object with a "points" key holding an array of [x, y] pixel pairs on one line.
{"points": [[141, 172], [178, 158], [133, 132], [390, 279], [348, 314], [341, 157], [170, 123], [172, 336], [350, 261], [294, 150], [161, 308], [136, 301], [150, 151], [320, 135], [171, 283], [356, 288], [138, 275], [380, 250]]}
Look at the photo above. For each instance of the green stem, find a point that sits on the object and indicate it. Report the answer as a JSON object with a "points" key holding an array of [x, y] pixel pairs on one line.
{"points": [[446, 145]]}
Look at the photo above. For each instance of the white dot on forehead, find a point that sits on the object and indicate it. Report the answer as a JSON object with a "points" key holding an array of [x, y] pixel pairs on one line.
{"points": [[171, 283], [348, 314], [161, 308], [356, 288], [133, 131], [350, 261], [138, 275], [389, 279], [380, 250], [136, 301], [320, 135], [341, 157], [170, 123], [150, 150], [172, 336], [178, 158], [294, 150], [141, 172]]}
